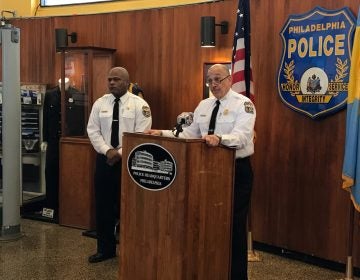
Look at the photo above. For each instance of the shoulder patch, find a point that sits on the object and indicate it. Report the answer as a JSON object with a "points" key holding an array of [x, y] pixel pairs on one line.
{"points": [[146, 111], [249, 107]]}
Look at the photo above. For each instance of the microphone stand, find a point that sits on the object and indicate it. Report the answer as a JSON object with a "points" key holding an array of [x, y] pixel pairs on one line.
{"points": [[178, 127]]}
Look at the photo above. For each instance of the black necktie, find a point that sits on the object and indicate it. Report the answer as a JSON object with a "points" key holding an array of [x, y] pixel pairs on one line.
{"points": [[213, 118], [115, 124]]}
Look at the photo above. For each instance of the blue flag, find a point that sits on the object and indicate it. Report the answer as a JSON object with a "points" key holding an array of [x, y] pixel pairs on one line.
{"points": [[351, 166]]}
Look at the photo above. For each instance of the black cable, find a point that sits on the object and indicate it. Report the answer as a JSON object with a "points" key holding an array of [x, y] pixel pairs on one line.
{"points": [[37, 8]]}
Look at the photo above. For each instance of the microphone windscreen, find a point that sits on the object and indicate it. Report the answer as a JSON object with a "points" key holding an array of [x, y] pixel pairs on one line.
{"points": [[185, 118]]}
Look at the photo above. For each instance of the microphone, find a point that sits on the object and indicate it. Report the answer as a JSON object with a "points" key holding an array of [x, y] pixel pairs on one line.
{"points": [[183, 120]]}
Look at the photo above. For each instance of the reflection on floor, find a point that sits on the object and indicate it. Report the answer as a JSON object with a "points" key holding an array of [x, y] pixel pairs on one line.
{"points": [[27, 197], [49, 251]]}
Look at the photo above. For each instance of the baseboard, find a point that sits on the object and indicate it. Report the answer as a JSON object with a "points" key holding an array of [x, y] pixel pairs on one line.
{"points": [[337, 266]]}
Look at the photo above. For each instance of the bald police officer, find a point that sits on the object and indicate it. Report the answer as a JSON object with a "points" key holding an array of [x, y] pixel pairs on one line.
{"points": [[233, 125], [105, 131]]}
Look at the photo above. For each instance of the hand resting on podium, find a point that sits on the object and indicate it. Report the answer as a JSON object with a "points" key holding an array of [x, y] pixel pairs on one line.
{"points": [[155, 132]]}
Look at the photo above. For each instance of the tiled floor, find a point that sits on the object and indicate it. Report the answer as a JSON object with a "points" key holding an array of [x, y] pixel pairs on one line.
{"points": [[49, 251]]}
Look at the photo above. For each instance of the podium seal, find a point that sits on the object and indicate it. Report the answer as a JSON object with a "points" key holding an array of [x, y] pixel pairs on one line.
{"points": [[151, 167]]}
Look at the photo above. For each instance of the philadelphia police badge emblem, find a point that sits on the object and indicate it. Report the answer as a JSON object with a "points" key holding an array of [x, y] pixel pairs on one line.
{"points": [[314, 69]]}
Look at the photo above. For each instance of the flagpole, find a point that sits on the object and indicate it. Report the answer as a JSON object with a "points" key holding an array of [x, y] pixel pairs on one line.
{"points": [[252, 255], [350, 168], [349, 263]]}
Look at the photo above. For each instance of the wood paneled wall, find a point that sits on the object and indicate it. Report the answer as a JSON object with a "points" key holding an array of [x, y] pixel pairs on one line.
{"points": [[298, 203], [160, 48]]}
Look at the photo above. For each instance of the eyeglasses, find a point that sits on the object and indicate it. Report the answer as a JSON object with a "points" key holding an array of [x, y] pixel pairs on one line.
{"points": [[216, 80]]}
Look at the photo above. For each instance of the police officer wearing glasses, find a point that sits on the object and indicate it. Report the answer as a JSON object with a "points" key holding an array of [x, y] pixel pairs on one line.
{"points": [[228, 118]]}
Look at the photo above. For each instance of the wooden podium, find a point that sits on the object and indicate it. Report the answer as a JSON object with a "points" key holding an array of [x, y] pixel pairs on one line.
{"points": [[183, 231]]}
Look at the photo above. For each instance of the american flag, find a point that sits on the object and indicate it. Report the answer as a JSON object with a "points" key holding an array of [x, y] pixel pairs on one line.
{"points": [[242, 80]]}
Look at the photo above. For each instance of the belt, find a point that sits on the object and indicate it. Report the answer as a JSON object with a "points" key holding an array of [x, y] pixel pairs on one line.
{"points": [[243, 159]]}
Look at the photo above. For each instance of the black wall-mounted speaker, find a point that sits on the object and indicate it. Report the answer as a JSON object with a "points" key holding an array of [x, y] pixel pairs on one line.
{"points": [[208, 31], [61, 38]]}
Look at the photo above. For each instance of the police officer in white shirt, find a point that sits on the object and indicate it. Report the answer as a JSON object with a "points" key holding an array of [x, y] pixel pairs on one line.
{"points": [[133, 116], [234, 127]]}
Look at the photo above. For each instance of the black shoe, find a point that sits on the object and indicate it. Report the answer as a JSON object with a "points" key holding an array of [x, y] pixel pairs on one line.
{"points": [[99, 257]]}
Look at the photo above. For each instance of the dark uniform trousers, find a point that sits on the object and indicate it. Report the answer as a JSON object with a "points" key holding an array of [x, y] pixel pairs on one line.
{"points": [[52, 175], [51, 135], [242, 194], [107, 203]]}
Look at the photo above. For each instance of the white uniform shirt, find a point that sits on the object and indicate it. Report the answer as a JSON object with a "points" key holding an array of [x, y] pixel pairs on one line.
{"points": [[134, 116], [235, 122]]}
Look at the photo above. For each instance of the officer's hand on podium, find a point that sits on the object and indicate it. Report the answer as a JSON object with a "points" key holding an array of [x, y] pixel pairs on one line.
{"points": [[155, 132], [43, 146]]}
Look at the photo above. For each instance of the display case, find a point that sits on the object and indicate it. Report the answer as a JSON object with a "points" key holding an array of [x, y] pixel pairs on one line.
{"points": [[82, 79], [82, 73], [31, 118], [32, 169]]}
